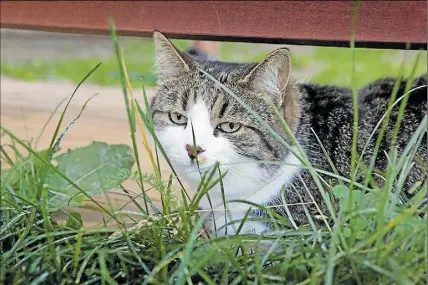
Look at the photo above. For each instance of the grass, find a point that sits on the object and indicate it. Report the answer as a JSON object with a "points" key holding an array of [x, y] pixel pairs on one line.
{"points": [[325, 64], [369, 64], [373, 239]]}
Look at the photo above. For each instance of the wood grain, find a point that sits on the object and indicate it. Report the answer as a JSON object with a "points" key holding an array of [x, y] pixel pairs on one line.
{"points": [[389, 24]]}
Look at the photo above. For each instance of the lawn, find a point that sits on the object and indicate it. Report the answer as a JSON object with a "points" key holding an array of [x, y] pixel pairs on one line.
{"points": [[330, 65]]}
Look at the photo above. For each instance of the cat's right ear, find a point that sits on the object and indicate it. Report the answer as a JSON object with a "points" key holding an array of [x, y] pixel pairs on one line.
{"points": [[170, 61], [271, 75]]}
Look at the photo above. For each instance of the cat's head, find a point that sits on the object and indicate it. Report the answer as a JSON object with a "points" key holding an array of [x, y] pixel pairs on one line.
{"points": [[195, 118]]}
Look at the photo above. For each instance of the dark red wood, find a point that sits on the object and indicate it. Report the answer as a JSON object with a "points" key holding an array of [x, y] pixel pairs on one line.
{"points": [[379, 23]]}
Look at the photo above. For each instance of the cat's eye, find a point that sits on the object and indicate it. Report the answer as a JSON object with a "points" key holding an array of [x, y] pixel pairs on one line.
{"points": [[229, 127], [177, 118]]}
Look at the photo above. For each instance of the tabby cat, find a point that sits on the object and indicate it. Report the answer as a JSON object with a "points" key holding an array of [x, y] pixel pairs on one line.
{"points": [[198, 124]]}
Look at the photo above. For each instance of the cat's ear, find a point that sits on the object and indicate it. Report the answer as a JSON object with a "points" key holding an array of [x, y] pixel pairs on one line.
{"points": [[271, 75], [170, 61]]}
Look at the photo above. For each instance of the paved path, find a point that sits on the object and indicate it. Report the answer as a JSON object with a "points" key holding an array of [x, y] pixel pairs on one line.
{"points": [[21, 45], [26, 106]]}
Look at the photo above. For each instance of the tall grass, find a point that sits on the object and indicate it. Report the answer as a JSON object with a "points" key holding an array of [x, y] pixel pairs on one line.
{"points": [[373, 239]]}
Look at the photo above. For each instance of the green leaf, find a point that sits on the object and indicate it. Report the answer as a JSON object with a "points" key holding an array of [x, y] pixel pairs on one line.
{"points": [[370, 199], [74, 221], [359, 224], [360, 234], [95, 169], [358, 197], [340, 191], [347, 232]]}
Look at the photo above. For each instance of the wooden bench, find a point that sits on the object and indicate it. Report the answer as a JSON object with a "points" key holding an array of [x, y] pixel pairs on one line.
{"points": [[380, 24]]}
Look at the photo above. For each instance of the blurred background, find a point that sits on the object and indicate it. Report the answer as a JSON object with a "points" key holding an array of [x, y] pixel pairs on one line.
{"points": [[46, 56]]}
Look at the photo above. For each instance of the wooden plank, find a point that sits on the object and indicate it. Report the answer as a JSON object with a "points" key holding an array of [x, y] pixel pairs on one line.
{"points": [[388, 24]]}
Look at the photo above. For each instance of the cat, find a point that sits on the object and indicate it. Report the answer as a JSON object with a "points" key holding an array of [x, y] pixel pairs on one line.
{"points": [[198, 124]]}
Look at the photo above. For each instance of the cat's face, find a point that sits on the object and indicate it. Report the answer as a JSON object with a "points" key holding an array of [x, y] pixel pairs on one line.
{"points": [[199, 124]]}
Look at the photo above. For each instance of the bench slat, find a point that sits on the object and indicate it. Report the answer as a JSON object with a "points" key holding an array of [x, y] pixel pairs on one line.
{"points": [[385, 24]]}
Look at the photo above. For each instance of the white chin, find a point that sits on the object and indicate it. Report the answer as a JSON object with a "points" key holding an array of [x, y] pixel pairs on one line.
{"points": [[190, 170]]}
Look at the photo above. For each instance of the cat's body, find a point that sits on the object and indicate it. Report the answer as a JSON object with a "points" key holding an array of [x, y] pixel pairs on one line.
{"points": [[329, 113], [198, 123]]}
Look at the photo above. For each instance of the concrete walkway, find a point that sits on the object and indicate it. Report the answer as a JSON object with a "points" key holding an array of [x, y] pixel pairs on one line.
{"points": [[26, 107], [22, 45]]}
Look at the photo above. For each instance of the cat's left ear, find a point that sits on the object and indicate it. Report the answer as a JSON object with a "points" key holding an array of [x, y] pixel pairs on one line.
{"points": [[271, 75]]}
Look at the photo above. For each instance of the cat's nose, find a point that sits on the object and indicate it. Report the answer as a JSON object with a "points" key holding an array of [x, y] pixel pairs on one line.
{"points": [[191, 151]]}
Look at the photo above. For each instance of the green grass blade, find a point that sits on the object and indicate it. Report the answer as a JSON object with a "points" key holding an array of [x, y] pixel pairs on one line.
{"points": [[129, 110]]}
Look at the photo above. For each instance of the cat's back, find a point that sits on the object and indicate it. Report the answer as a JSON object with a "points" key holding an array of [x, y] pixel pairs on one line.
{"points": [[329, 112], [376, 96], [326, 108], [330, 102], [387, 95]]}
